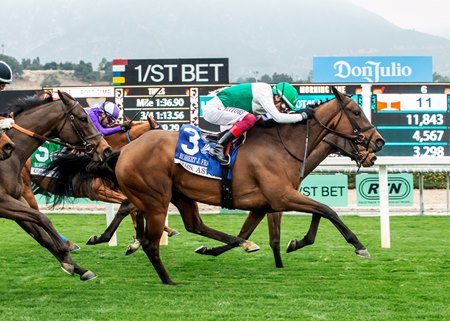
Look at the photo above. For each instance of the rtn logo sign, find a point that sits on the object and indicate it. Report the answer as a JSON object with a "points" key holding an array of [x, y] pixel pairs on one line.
{"points": [[398, 188]]}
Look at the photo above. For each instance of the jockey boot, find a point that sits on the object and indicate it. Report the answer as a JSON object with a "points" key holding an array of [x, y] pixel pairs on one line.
{"points": [[219, 150]]}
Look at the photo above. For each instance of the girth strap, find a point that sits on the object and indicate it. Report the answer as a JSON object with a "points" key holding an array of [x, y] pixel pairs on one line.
{"points": [[226, 189]]}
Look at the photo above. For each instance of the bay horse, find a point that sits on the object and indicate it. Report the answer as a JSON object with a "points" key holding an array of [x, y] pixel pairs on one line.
{"points": [[266, 175], [331, 144], [6, 146], [96, 190], [38, 119]]}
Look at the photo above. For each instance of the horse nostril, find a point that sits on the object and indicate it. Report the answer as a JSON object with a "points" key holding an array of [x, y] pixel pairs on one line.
{"points": [[380, 142], [107, 152], [10, 147]]}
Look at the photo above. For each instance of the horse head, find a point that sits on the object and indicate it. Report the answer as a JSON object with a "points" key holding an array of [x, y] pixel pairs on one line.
{"points": [[347, 120], [78, 130]]}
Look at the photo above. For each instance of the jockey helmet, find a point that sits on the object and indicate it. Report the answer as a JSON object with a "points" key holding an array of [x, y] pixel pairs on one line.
{"points": [[111, 110], [287, 92], [5, 73]]}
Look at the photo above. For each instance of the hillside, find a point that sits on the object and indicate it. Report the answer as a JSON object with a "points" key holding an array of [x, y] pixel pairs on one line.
{"points": [[32, 79], [257, 36]]}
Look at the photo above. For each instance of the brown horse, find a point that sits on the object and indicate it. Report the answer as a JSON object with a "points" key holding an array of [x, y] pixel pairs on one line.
{"points": [[95, 190], [36, 120], [330, 144], [266, 175], [6, 146]]}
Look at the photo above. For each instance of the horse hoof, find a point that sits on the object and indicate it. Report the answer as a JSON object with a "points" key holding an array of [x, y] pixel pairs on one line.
{"points": [[201, 249], [88, 276], [250, 247], [173, 233], [68, 268], [92, 240], [363, 253], [291, 246], [132, 248], [74, 247]]}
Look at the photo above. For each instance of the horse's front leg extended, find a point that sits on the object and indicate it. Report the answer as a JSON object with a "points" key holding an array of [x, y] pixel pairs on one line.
{"points": [[308, 239], [194, 224], [295, 201], [251, 222]]}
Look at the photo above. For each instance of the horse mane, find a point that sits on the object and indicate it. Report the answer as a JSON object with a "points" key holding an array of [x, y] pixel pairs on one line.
{"points": [[26, 103]]}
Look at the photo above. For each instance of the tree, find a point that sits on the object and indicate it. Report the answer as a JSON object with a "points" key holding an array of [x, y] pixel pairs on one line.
{"points": [[51, 81], [276, 78], [440, 78]]}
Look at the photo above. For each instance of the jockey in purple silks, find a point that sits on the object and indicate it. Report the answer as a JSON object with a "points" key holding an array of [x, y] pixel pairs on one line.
{"points": [[104, 118]]}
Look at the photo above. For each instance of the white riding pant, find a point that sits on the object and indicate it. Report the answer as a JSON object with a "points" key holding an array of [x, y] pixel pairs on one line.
{"points": [[216, 113]]}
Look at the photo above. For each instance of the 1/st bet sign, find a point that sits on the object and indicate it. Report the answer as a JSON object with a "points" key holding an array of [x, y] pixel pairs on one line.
{"points": [[170, 71]]}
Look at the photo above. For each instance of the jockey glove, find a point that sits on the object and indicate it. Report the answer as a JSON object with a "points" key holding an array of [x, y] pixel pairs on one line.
{"points": [[307, 113], [126, 126]]}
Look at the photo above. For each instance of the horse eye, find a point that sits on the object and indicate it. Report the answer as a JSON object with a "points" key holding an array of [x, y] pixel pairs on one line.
{"points": [[357, 112], [84, 119]]}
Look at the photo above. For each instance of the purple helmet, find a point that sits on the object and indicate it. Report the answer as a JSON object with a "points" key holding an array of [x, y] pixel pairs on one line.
{"points": [[111, 110]]}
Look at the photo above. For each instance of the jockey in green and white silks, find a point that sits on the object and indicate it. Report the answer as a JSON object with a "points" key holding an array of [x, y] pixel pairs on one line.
{"points": [[239, 107]]}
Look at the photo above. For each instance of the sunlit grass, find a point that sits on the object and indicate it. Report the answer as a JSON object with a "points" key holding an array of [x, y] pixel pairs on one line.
{"points": [[326, 281]]}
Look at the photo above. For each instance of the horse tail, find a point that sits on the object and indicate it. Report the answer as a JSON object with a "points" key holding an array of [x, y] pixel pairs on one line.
{"points": [[73, 175]]}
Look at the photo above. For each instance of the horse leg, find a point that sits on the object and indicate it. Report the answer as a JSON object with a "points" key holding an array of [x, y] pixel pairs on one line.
{"points": [[274, 225], [45, 240], [194, 224], [125, 208], [150, 243], [295, 201], [251, 222], [308, 239], [138, 221]]}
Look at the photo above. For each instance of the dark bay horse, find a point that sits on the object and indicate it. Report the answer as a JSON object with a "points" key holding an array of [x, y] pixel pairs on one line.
{"points": [[36, 120], [93, 189], [331, 144], [266, 175], [6, 146]]}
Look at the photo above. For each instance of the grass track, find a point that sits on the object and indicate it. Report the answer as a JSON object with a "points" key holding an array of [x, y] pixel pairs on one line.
{"points": [[326, 281]]}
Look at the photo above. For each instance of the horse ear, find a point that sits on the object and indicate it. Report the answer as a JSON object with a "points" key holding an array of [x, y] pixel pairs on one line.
{"points": [[336, 93], [62, 96]]}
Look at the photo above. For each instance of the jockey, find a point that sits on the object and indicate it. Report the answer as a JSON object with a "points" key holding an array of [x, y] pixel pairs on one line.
{"points": [[5, 79], [239, 107], [104, 118]]}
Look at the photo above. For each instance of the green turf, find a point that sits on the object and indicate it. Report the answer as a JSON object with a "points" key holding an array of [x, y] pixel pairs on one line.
{"points": [[326, 281]]}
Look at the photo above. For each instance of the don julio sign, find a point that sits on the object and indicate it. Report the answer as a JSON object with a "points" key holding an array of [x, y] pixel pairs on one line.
{"points": [[372, 69]]}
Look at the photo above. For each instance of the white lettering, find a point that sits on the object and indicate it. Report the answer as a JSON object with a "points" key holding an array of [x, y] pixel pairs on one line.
{"points": [[371, 70]]}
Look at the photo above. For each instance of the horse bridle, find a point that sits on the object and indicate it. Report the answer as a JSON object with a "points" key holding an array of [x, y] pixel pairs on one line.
{"points": [[355, 140], [68, 116], [358, 139]]}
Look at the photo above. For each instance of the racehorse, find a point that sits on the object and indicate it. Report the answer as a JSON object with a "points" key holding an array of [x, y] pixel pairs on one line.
{"points": [[331, 144], [38, 119], [6, 146], [97, 191], [265, 175]]}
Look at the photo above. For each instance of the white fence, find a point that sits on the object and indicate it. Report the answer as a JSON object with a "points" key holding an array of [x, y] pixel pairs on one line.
{"points": [[383, 166]]}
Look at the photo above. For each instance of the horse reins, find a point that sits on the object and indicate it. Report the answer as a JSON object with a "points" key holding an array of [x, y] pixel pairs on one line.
{"points": [[87, 148]]}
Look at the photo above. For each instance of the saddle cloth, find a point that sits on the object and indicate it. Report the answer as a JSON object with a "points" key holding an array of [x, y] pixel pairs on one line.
{"points": [[192, 153]]}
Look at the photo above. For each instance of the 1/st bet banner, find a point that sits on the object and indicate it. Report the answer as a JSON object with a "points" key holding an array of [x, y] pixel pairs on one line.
{"points": [[372, 69]]}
